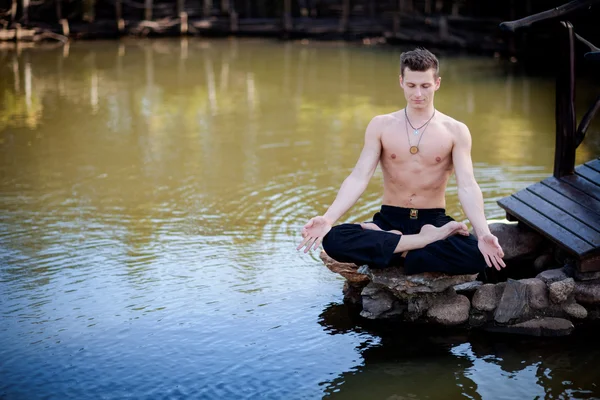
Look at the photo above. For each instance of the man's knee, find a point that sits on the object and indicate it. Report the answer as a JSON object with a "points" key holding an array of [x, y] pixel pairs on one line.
{"points": [[334, 243]]}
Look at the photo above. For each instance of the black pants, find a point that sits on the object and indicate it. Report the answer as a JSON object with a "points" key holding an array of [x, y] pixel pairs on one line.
{"points": [[455, 255]]}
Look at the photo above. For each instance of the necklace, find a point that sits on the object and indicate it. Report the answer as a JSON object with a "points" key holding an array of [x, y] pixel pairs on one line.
{"points": [[415, 149], [416, 130]]}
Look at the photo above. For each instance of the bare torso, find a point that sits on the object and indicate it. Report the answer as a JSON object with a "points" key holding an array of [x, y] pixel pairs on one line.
{"points": [[416, 180]]}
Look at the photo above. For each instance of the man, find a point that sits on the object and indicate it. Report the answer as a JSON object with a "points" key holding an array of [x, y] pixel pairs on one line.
{"points": [[418, 148]]}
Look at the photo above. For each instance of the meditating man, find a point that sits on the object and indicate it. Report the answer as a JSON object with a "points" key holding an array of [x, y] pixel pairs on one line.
{"points": [[418, 148]]}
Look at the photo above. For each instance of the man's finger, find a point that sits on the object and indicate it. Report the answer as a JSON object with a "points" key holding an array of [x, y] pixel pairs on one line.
{"points": [[317, 243], [495, 262], [501, 262], [309, 244], [301, 245], [487, 260]]}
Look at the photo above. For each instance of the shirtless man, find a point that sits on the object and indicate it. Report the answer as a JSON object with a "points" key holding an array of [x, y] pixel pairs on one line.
{"points": [[418, 148]]}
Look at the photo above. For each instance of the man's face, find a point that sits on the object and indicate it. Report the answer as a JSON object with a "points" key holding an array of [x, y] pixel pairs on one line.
{"points": [[419, 87]]}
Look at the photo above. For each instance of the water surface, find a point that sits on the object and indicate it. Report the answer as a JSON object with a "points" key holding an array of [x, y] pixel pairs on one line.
{"points": [[151, 194]]}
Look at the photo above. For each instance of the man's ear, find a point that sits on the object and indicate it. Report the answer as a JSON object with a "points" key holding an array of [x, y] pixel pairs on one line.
{"points": [[400, 81], [437, 82]]}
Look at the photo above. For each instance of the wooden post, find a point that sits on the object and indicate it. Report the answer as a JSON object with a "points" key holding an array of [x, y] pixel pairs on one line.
{"points": [[443, 28], [119, 15], [25, 11], [233, 18], [206, 9], [427, 6], [287, 15], [225, 6], [345, 16], [184, 23], [148, 10], [564, 154]]}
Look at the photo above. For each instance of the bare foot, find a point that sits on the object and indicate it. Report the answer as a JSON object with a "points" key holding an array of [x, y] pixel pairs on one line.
{"points": [[371, 226], [441, 233]]}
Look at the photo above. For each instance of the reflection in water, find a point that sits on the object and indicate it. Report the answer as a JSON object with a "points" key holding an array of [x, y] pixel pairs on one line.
{"points": [[403, 361], [152, 192]]}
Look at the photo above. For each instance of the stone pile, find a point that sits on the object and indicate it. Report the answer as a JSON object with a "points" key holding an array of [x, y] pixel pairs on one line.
{"points": [[549, 304]]}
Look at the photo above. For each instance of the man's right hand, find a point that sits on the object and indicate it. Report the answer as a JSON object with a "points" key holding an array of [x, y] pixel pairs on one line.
{"points": [[313, 233]]}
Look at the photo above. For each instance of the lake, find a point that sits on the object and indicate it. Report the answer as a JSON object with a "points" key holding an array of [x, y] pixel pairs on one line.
{"points": [[152, 193]]}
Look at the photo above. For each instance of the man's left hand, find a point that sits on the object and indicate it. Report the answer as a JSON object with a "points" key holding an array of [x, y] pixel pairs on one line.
{"points": [[491, 250]]}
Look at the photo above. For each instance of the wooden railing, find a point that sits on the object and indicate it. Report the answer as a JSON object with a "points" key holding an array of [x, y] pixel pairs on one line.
{"points": [[568, 135]]}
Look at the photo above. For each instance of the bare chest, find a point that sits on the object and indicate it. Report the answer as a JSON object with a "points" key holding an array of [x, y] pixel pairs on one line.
{"points": [[431, 150]]}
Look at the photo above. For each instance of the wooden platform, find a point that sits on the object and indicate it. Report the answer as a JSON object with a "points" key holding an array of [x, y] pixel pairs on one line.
{"points": [[565, 210]]}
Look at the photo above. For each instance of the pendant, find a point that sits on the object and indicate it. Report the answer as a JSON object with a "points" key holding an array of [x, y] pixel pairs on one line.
{"points": [[414, 149], [416, 131]]}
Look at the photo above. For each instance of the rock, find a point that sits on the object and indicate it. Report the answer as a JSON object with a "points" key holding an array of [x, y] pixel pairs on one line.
{"points": [[378, 303], [587, 292], [552, 275], [537, 293], [417, 305], [404, 286], [514, 304], [586, 276], [516, 241], [544, 262], [352, 292], [560, 291], [575, 310], [347, 270], [467, 287], [487, 297], [539, 327], [453, 311]]}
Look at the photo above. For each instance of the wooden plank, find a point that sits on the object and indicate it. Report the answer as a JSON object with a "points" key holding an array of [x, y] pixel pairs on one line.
{"points": [[559, 217], [571, 207], [572, 193], [594, 164], [584, 185], [544, 226], [588, 173]]}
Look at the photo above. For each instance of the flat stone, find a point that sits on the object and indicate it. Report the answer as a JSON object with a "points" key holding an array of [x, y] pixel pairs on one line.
{"points": [[552, 275], [467, 287], [378, 303], [587, 292], [428, 282], [575, 310], [537, 293], [560, 291], [586, 276], [347, 270], [453, 311], [542, 327], [517, 242], [487, 297], [514, 303]]}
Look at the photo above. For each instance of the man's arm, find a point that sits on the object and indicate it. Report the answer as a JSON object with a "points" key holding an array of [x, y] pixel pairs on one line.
{"points": [[352, 188], [356, 183], [471, 198]]}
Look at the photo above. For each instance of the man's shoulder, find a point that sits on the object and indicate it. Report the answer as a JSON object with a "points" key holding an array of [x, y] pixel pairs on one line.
{"points": [[385, 119], [454, 126]]}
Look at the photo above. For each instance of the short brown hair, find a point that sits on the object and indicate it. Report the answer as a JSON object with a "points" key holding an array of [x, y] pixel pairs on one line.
{"points": [[419, 59]]}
